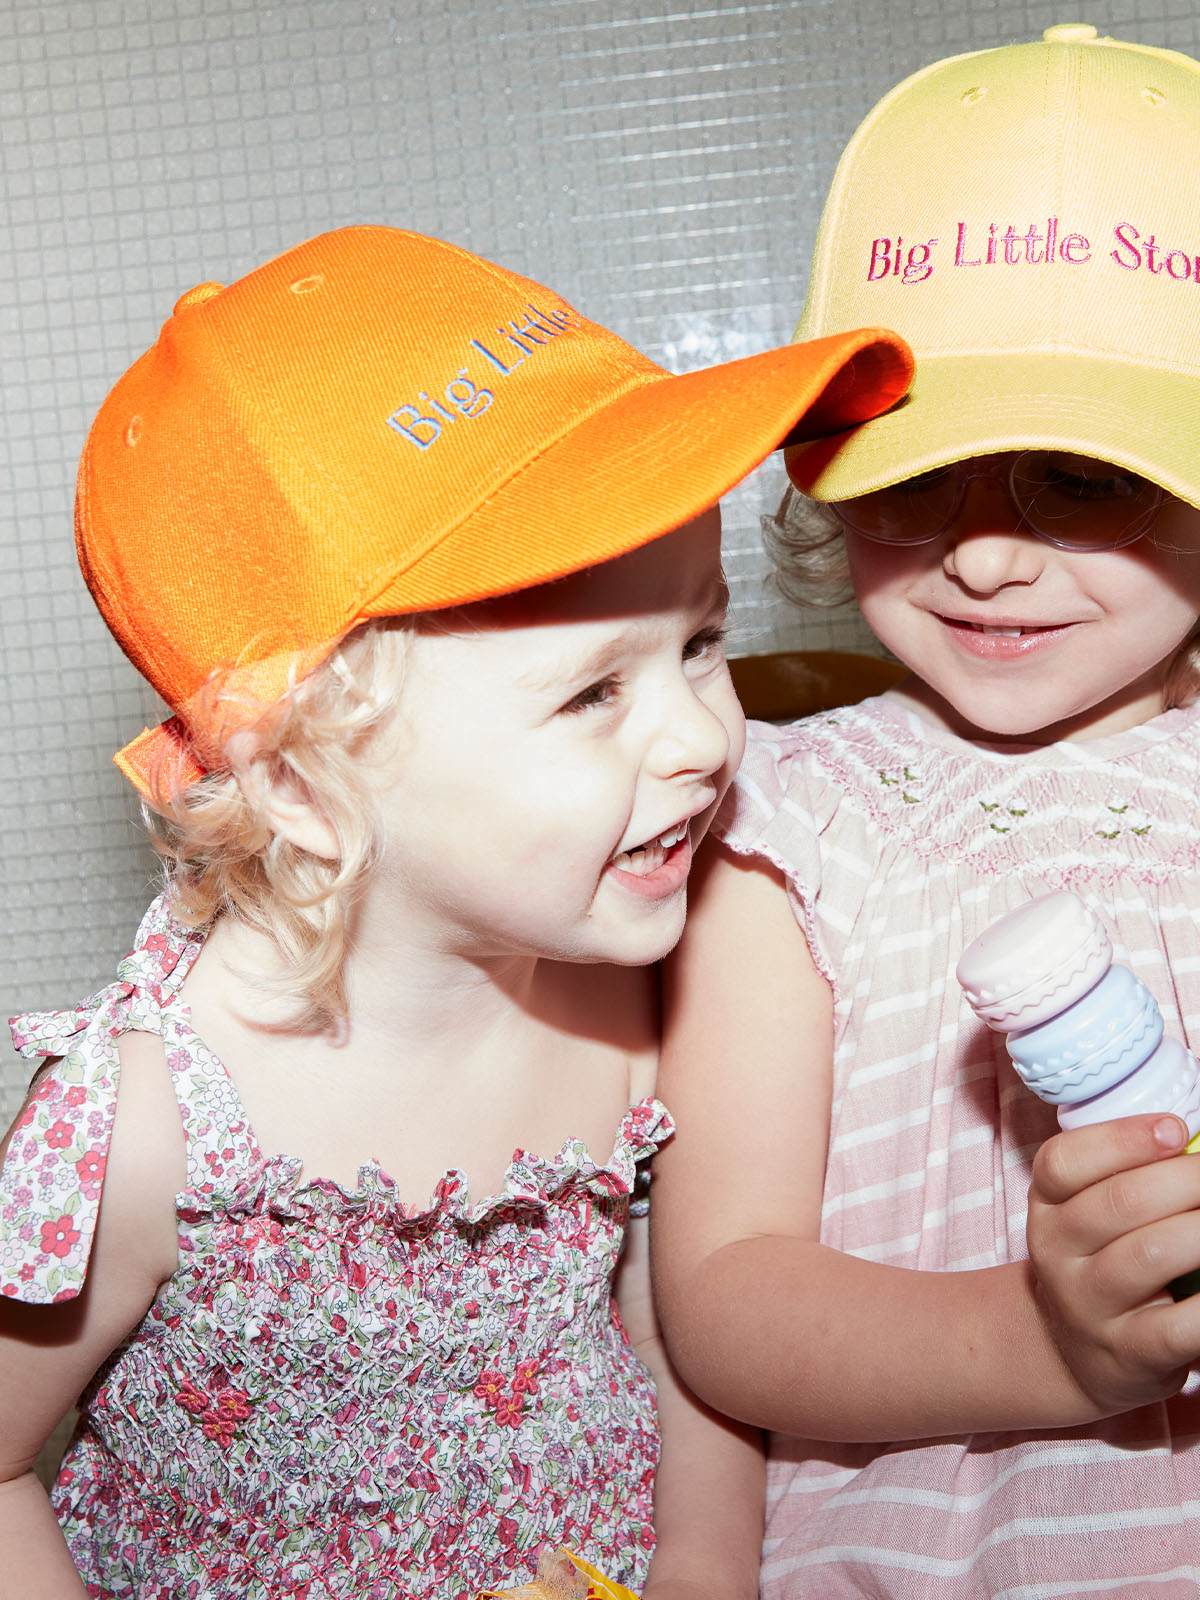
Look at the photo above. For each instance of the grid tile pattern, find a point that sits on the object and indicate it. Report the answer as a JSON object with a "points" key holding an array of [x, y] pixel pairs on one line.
{"points": [[661, 166]]}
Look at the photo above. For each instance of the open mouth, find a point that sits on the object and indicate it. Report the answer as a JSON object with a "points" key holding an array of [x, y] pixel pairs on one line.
{"points": [[647, 858], [1003, 630]]}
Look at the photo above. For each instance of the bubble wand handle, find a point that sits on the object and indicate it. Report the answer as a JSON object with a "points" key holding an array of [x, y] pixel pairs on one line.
{"points": [[1083, 1032]]}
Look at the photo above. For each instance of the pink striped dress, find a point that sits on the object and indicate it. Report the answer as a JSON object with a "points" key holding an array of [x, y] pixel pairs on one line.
{"points": [[901, 843]]}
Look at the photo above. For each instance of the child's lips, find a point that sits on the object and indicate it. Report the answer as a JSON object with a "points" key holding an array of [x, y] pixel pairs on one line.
{"points": [[1004, 639]]}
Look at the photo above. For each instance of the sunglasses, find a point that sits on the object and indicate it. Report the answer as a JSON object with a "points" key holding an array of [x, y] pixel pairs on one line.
{"points": [[1069, 501]]}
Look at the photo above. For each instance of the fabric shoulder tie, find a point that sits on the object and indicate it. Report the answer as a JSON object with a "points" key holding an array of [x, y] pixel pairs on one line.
{"points": [[53, 1171]]}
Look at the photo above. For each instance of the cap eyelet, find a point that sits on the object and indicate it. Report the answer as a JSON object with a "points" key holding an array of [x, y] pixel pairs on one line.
{"points": [[307, 285], [200, 295], [1152, 96], [133, 432], [970, 97]]}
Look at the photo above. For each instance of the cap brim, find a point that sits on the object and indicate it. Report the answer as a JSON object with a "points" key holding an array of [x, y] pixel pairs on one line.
{"points": [[958, 407], [652, 458], [632, 469]]}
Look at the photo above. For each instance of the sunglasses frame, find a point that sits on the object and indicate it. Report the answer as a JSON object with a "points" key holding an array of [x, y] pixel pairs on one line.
{"points": [[965, 472]]}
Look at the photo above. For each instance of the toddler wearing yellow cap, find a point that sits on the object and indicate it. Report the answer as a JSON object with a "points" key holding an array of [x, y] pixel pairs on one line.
{"points": [[333, 1203], [956, 1324]]}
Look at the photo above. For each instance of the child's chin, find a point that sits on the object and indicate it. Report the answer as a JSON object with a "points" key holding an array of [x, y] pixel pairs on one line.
{"points": [[641, 947], [983, 723]]}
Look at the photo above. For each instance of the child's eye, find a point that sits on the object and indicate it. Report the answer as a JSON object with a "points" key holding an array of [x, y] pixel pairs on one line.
{"points": [[1100, 482], [601, 693], [707, 642]]}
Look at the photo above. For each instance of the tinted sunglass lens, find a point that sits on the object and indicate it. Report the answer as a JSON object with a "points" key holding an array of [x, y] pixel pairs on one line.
{"points": [[1077, 502], [910, 512]]}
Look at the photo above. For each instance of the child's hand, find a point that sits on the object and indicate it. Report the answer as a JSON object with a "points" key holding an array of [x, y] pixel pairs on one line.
{"points": [[1111, 1223]]}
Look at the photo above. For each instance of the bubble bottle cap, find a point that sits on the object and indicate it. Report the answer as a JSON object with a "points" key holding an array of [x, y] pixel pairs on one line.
{"points": [[1034, 962]]}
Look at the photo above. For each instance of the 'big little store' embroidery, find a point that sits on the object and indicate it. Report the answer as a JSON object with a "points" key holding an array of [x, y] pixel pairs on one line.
{"points": [[1039, 245]]}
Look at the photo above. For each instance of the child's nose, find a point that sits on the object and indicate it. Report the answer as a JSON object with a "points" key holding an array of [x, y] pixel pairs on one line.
{"points": [[691, 738], [986, 546]]}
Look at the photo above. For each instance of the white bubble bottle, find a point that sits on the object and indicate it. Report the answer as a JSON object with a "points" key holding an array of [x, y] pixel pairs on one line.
{"points": [[1083, 1032]]}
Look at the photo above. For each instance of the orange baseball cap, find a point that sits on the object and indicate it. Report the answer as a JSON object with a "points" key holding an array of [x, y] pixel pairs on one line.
{"points": [[376, 423]]}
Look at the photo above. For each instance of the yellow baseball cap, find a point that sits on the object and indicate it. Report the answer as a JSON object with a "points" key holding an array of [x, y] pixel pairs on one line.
{"points": [[377, 422], [1029, 219]]}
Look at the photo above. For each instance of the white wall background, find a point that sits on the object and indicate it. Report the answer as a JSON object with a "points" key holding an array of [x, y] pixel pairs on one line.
{"points": [[661, 166]]}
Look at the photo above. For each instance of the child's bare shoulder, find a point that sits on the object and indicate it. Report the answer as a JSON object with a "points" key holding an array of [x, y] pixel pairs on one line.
{"points": [[147, 1155]]}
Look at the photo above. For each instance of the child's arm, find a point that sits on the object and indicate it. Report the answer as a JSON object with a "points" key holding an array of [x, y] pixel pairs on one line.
{"points": [[34, 1395], [48, 1353], [709, 1491], [765, 1322]]}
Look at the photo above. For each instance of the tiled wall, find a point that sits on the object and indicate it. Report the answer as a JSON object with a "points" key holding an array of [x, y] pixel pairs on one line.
{"points": [[661, 166]]}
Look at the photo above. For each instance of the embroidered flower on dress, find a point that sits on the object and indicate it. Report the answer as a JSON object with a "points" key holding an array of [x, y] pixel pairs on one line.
{"points": [[525, 1377], [218, 1414], [505, 1396], [490, 1387]]}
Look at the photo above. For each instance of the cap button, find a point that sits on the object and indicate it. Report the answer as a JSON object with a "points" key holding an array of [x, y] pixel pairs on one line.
{"points": [[1070, 33], [197, 296]]}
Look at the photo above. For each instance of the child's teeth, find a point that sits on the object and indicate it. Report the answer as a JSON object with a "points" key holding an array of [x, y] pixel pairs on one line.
{"points": [[1002, 633], [647, 858]]}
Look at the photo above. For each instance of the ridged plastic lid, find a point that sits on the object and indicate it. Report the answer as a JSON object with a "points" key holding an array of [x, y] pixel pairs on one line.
{"points": [[1041, 957], [1168, 1081], [1092, 1045]]}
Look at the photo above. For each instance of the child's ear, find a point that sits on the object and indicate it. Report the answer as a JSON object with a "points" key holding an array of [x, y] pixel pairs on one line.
{"points": [[283, 800]]}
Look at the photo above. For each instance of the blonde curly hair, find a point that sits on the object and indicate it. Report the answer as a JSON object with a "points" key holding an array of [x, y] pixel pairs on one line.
{"points": [[222, 857], [805, 542]]}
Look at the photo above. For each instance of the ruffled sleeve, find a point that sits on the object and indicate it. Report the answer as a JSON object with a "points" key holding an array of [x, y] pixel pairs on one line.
{"points": [[53, 1171], [748, 820], [778, 808]]}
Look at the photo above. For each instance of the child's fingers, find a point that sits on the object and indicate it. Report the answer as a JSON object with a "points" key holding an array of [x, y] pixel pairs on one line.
{"points": [[1134, 1268], [1165, 1336], [1117, 1207], [1071, 1162]]}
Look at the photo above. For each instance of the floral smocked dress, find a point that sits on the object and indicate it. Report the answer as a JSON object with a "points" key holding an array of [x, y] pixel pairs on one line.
{"points": [[333, 1395]]}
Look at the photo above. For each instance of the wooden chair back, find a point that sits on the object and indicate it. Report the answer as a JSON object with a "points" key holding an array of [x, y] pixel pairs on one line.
{"points": [[795, 683]]}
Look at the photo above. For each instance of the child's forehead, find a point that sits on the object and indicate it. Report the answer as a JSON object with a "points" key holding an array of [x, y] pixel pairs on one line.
{"points": [[677, 573], [589, 625]]}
